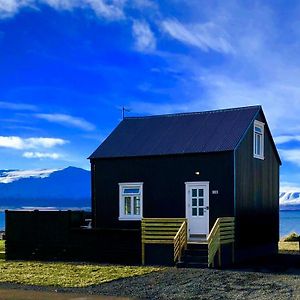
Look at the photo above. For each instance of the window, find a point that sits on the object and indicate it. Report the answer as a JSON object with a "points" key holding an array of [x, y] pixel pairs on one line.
{"points": [[258, 141], [130, 201]]}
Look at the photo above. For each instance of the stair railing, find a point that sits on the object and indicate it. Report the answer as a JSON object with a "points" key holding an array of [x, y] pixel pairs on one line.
{"points": [[164, 231], [223, 232], [180, 241]]}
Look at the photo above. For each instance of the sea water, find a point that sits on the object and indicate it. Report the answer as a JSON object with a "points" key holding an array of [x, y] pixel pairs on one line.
{"points": [[289, 221]]}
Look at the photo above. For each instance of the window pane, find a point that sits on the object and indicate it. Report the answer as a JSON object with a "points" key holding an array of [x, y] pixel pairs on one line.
{"points": [[131, 190], [258, 144], [201, 211], [258, 129], [194, 193], [194, 211], [200, 192], [136, 205], [127, 205], [194, 202], [201, 201]]}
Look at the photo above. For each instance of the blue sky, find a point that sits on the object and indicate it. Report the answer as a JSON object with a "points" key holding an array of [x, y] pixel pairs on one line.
{"points": [[67, 66]]}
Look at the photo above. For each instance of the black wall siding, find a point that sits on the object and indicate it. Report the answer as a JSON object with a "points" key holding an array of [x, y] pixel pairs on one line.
{"points": [[257, 193], [58, 235], [164, 180]]}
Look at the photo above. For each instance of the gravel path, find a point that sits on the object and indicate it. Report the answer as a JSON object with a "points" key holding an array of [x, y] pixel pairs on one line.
{"points": [[175, 283]]}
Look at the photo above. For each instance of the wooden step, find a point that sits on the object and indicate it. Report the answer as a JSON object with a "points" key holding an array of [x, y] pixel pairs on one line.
{"points": [[195, 256], [195, 259], [197, 246], [196, 252]]}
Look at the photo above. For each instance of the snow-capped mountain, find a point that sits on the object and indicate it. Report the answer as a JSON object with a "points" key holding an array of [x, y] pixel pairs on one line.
{"points": [[289, 200], [69, 187], [8, 176]]}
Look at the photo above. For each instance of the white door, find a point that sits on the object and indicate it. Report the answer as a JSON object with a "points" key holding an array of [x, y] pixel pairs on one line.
{"points": [[197, 209]]}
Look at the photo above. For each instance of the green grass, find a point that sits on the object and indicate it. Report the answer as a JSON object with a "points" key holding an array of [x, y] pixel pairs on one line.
{"points": [[66, 274], [2, 249], [292, 237]]}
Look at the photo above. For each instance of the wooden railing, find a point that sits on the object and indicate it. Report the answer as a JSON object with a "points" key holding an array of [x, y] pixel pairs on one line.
{"points": [[223, 232], [180, 241], [164, 231]]}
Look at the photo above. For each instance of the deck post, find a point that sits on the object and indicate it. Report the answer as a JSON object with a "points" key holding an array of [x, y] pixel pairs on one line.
{"points": [[143, 253], [186, 233], [220, 256], [232, 252]]}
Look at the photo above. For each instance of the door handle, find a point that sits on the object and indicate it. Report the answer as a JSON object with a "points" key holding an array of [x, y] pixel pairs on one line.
{"points": [[207, 207]]}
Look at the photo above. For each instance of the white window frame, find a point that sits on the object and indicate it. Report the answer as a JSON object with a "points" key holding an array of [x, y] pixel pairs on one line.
{"points": [[261, 125], [131, 217]]}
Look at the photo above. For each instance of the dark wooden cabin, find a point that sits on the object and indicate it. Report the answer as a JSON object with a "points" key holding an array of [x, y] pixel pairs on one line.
{"points": [[192, 181]]}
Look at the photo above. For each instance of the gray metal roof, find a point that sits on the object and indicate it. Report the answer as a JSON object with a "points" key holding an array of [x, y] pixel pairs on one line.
{"points": [[209, 131]]}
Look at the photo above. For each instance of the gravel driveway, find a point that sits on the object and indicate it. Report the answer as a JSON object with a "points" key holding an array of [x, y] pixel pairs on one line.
{"points": [[175, 283]]}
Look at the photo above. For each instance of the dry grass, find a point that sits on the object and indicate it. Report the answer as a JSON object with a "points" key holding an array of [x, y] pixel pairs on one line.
{"points": [[288, 246], [2, 248], [289, 243], [66, 274]]}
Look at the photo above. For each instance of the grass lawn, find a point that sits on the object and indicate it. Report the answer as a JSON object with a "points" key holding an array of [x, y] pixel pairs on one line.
{"points": [[2, 246], [66, 274]]}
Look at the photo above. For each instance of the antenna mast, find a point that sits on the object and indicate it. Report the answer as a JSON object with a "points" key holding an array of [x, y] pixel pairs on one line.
{"points": [[124, 109]]}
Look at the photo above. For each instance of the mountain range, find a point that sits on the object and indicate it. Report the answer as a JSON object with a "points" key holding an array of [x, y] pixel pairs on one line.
{"points": [[68, 188], [59, 188], [289, 200]]}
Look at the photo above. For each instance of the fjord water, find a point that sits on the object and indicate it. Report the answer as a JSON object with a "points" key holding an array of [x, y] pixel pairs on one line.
{"points": [[289, 221]]}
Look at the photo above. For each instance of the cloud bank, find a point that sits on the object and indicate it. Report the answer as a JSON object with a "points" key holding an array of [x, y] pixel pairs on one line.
{"points": [[111, 10], [19, 143], [41, 155], [67, 120]]}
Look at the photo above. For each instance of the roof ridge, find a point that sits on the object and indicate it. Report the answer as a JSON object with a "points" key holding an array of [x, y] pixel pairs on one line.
{"points": [[196, 112]]}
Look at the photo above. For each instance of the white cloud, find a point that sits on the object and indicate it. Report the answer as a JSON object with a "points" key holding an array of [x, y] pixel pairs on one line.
{"points": [[111, 10], [291, 155], [16, 106], [11, 176], [144, 38], [10, 7], [67, 120], [207, 36], [18, 143], [282, 139], [107, 9], [41, 155], [286, 186]]}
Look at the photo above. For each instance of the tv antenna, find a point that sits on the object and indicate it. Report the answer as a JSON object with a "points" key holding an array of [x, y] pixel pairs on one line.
{"points": [[124, 110]]}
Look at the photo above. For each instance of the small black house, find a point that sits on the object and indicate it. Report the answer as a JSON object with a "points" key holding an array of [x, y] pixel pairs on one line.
{"points": [[194, 168]]}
